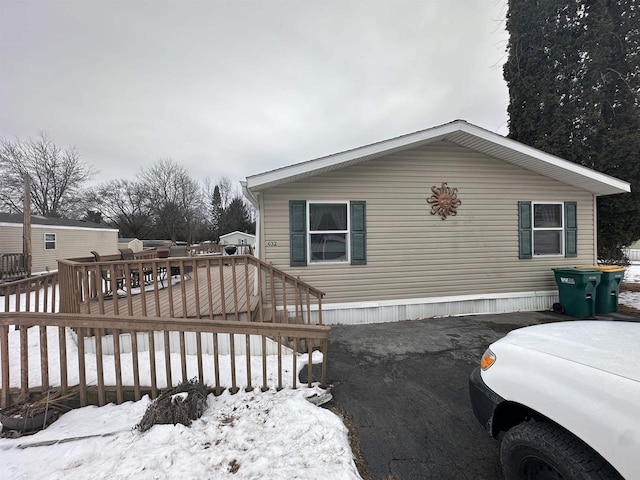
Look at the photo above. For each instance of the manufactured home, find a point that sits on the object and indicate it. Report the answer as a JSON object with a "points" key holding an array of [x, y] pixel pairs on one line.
{"points": [[450, 220], [238, 238], [53, 239], [633, 252]]}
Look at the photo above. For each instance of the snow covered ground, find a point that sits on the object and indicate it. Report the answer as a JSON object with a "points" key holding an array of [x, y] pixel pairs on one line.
{"points": [[249, 435], [243, 436], [631, 299]]}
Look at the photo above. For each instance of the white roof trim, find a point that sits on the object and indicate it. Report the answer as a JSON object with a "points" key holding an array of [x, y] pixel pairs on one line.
{"points": [[238, 232], [57, 227], [461, 133]]}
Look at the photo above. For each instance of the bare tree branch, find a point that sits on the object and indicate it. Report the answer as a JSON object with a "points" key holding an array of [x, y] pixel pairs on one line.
{"points": [[57, 176]]}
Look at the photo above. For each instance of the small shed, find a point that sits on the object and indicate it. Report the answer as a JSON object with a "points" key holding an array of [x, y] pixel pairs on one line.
{"points": [[132, 243], [238, 238]]}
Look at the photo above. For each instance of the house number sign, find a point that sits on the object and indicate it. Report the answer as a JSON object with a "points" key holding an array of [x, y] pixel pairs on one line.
{"points": [[444, 201], [272, 244]]}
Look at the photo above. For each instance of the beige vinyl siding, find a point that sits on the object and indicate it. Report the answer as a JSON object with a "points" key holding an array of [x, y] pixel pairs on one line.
{"points": [[413, 254], [10, 238], [70, 243]]}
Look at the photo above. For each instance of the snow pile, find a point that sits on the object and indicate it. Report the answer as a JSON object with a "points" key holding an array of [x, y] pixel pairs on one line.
{"points": [[249, 435], [632, 274]]}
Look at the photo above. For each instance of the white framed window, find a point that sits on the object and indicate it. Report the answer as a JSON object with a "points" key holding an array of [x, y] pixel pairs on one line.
{"points": [[49, 241], [548, 228], [328, 232]]}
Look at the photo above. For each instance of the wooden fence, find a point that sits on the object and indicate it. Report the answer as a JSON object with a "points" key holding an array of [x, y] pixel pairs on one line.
{"points": [[240, 249], [13, 266], [126, 324], [234, 287], [33, 294], [149, 371]]}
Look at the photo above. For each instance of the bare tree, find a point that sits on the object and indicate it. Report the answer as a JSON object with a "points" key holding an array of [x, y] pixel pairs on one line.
{"points": [[124, 204], [227, 191], [57, 177], [175, 200]]}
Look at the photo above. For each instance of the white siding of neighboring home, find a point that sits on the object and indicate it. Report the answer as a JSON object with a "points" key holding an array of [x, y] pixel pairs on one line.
{"points": [[134, 244], [412, 254], [71, 242], [633, 252], [237, 238]]}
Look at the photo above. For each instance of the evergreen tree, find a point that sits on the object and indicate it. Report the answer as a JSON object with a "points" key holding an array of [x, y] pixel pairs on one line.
{"points": [[573, 74], [236, 217], [216, 214], [93, 216]]}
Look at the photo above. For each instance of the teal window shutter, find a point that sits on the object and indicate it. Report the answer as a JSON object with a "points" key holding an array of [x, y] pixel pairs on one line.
{"points": [[525, 230], [298, 233], [358, 233], [570, 229]]}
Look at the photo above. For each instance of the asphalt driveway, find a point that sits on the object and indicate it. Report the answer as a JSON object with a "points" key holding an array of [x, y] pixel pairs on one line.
{"points": [[405, 388]]}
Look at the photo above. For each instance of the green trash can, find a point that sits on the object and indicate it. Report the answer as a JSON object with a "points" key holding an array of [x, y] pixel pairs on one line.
{"points": [[608, 290], [577, 289]]}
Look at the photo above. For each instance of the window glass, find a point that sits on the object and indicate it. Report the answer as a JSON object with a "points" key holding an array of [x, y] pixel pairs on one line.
{"points": [[49, 241], [328, 247], [547, 215], [548, 229], [328, 232], [547, 242], [327, 216]]}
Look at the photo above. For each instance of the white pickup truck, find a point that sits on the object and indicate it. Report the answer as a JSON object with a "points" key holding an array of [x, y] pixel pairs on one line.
{"points": [[565, 400]]}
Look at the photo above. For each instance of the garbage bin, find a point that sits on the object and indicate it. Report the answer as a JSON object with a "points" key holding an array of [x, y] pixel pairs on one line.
{"points": [[608, 290], [577, 289]]}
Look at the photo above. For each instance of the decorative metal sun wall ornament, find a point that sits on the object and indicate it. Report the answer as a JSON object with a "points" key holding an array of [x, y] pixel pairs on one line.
{"points": [[444, 201]]}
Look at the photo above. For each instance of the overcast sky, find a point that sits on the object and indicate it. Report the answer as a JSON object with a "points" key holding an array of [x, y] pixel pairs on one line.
{"points": [[236, 88]]}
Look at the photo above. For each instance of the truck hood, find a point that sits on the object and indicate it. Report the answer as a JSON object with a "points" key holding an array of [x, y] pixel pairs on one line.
{"points": [[609, 346]]}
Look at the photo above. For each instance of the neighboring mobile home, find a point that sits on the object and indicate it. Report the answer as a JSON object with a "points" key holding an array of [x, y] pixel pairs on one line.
{"points": [[56, 238], [633, 252], [238, 238], [450, 220]]}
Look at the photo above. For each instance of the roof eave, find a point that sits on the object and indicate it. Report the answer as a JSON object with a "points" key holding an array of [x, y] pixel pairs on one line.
{"points": [[461, 133], [311, 168]]}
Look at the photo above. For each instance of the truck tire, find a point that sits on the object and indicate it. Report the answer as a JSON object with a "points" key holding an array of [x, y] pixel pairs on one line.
{"points": [[539, 450]]}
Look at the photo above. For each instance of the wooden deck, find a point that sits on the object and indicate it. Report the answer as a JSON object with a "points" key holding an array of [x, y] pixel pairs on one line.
{"points": [[204, 293]]}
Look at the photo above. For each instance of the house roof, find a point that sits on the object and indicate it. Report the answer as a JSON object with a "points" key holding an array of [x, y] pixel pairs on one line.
{"points": [[461, 133], [238, 232], [54, 222]]}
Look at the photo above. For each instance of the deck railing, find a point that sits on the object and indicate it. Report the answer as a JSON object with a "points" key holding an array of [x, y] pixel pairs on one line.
{"points": [[233, 287], [12, 266], [98, 378], [33, 294], [241, 249]]}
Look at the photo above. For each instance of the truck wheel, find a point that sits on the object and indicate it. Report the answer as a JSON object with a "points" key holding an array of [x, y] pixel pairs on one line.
{"points": [[539, 450]]}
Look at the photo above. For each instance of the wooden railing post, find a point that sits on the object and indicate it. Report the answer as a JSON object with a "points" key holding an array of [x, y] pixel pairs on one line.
{"points": [[92, 385]]}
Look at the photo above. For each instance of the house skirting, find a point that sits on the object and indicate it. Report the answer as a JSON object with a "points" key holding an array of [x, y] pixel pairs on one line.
{"points": [[355, 313]]}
